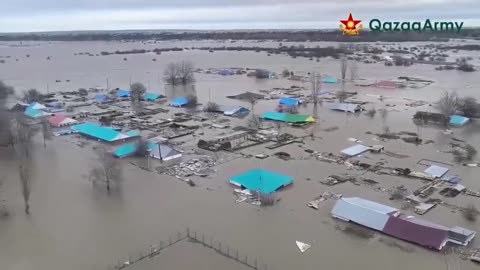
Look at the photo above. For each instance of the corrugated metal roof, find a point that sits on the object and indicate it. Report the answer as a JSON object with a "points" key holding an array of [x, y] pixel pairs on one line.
{"points": [[345, 107], [152, 96], [329, 80], [355, 150], [363, 212], [436, 171], [261, 180], [413, 231], [166, 152]]}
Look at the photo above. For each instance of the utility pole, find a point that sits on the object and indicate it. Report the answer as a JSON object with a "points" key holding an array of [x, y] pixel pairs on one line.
{"points": [[108, 85]]}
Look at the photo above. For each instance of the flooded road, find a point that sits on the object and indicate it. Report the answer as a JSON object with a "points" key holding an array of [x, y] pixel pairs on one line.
{"points": [[75, 226]]}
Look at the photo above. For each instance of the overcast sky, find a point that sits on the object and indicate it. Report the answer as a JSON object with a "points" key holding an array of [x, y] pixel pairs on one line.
{"points": [[59, 15]]}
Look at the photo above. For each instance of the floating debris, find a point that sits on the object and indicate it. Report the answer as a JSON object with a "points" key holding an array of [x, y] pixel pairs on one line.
{"points": [[302, 246]]}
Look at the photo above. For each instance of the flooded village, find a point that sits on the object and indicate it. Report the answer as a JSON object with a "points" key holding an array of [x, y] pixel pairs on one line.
{"points": [[239, 154]]}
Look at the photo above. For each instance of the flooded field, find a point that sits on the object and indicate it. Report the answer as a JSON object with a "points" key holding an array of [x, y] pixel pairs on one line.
{"points": [[76, 226]]}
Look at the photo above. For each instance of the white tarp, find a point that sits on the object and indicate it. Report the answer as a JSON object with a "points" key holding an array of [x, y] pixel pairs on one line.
{"points": [[355, 150], [436, 171]]}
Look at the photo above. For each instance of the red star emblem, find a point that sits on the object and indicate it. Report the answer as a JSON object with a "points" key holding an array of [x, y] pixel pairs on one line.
{"points": [[350, 24]]}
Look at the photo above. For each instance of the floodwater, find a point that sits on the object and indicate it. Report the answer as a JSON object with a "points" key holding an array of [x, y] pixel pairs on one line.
{"points": [[75, 226]]}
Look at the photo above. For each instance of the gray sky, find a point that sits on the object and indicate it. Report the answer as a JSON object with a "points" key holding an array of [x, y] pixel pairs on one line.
{"points": [[58, 15]]}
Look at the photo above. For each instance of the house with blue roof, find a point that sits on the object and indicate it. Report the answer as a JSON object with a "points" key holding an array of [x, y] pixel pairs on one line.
{"points": [[106, 134], [123, 93], [178, 102], [263, 181], [152, 96], [290, 102], [34, 113], [101, 99]]}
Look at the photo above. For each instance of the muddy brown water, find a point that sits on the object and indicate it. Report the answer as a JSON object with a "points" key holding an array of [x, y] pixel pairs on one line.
{"points": [[75, 226]]}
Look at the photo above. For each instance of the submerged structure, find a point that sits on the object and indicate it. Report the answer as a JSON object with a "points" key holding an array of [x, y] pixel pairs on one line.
{"points": [[261, 180], [106, 134], [288, 118], [390, 221]]}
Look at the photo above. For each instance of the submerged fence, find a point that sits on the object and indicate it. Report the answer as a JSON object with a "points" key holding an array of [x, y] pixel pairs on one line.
{"points": [[199, 238]]}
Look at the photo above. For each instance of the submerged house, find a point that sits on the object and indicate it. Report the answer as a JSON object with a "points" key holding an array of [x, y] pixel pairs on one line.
{"points": [[35, 113], [363, 212], [288, 118], [247, 96], [232, 110], [260, 180], [152, 96], [417, 231], [123, 93], [178, 102], [158, 151], [290, 102], [61, 121], [329, 80], [106, 134], [388, 220], [345, 107], [102, 99], [355, 150], [425, 117], [37, 106]]}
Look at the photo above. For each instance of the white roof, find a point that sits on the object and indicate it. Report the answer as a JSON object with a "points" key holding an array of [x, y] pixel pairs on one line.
{"points": [[436, 171], [355, 150]]}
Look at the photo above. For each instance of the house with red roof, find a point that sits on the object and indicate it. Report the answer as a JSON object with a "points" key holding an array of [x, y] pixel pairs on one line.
{"points": [[61, 121]]}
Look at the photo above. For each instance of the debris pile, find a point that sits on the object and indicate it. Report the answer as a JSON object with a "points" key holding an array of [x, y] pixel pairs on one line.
{"points": [[201, 166]]}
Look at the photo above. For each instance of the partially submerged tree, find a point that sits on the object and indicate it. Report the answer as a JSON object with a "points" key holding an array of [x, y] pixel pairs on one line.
{"points": [[212, 107], [32, 95], [46, 131], [171, 74], [185, 71], [470, 213], [107, 170], [353, 70], [448, 104], [286, 73], [24, 170], [254, 122], [137, 90], [179, 73], [343, 72], [3, 199], [469, 106], [142, 148]]}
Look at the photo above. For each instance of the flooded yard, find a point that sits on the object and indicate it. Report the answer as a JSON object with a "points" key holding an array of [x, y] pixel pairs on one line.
{"points": [[74, 225]]}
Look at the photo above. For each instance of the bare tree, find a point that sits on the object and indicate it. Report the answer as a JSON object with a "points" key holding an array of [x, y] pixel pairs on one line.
{"points": [[142, 148], [171, 74], [469, 106], [212, 107], [254, 122], [185, 71], [343, 70], [278, 128], [448, 104], [316, 87], [5, 129], [3, 199], [137, 90], [24, 170], [107, 170], [470, 213], [46, 131], [32, 95], [353, 71]]}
